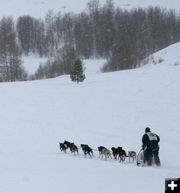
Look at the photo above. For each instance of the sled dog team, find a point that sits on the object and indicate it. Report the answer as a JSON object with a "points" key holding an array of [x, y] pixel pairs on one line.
{"points": [[148, 155], [117, 153]]}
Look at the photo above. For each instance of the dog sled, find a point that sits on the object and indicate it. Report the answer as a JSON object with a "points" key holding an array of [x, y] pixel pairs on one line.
{"points": [[140, 158]]}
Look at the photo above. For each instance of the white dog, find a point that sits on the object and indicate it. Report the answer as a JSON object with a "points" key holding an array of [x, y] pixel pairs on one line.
{"points": [[106, 153]]}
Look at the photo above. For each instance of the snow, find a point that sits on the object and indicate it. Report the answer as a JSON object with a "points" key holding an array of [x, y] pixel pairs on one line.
{"points": [[110, 109], [167, 56], [93, 66], [32, 62], [39, 8]]}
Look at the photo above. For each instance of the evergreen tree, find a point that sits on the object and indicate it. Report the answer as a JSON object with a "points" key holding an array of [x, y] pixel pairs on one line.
{"points": [[77, 73]]}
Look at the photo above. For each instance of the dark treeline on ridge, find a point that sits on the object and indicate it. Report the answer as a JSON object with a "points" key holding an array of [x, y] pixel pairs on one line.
{"points": [[123, 37]]}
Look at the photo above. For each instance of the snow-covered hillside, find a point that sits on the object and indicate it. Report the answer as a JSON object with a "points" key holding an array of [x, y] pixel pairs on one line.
{"points": [[110, 109], [39, 8], [168, 56]]}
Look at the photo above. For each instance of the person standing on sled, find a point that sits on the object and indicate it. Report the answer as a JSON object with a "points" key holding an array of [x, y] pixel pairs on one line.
{"points": [[151, 148]]}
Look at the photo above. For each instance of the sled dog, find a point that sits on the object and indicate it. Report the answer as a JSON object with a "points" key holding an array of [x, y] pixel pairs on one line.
{"points": [[132, 154]]}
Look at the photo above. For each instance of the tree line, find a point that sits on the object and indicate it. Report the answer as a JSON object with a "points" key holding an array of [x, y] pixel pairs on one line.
{"points": [[123, 37]]}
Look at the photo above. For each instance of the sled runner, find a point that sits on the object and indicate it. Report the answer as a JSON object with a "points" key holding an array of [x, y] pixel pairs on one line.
{"points": [[140, 158]]}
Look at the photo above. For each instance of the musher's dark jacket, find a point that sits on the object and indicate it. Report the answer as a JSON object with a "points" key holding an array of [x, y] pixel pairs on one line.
{"points": [[150, 141]]}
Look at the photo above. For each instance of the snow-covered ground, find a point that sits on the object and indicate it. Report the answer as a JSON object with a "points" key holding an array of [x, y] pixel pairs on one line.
{"points": [[110, 109], [39, 8], [168, 56], [32, 62]]}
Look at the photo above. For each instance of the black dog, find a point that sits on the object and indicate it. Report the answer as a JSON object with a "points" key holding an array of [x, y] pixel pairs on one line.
{"points": [[115, 152], [62, 147], [87, 150], [67, 144], [122, 154]]}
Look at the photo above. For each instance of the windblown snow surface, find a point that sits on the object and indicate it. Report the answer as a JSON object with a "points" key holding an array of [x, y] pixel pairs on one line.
{"points": [[110, 109]]}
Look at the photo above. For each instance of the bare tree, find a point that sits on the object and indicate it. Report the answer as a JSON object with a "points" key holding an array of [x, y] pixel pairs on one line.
{"points": [[10, 55]]}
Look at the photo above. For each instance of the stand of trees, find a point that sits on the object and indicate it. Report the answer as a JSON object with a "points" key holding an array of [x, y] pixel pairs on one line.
{"points": [[123, 37], [10, 54], [60, 64]]}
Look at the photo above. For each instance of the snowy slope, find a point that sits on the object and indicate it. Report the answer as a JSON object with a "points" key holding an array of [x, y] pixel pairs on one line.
{"points": [[168, 56], [38, 8], [109, 109]]}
